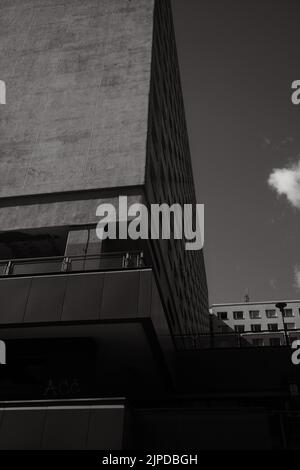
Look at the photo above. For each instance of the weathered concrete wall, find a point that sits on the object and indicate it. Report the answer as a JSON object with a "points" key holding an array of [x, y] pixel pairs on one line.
{"points": [[78, 77], [62, 212]]}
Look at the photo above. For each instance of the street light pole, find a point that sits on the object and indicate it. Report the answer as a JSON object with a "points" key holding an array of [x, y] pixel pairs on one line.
{"points": [[281, 306]]}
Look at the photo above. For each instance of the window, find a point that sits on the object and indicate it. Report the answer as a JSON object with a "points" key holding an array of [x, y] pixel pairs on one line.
{"points": [[238, 315], [254, 314], [288, 312], [24, 246], [255, 328], [258, 342], [271, 313], [290, 326], [222, 316], [40, 243], [273, 326], [239, 328], [275, 342]]}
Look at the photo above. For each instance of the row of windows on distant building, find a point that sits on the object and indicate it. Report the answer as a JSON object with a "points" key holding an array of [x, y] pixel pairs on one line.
{"points": [[256, 314], [269, 341], [258, 328]]}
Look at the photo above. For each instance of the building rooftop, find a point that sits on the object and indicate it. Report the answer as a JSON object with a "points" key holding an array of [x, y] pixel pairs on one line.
{"points": [[254, 303]]}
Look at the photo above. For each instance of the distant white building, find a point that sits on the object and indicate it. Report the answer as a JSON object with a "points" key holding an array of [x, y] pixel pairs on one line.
{"points": [[259, 323]]}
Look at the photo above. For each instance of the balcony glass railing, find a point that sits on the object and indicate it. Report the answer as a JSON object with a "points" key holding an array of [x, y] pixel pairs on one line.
{"points": [[65, 264]]}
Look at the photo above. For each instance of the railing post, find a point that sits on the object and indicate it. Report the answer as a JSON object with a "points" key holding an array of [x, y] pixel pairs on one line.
{"points": [[286, 336], [140, 260], [65, 264], [8, 268], [126, 259]]}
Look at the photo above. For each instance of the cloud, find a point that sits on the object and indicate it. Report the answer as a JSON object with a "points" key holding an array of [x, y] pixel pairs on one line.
{"points": [[297, 277], [287, 140], [267, 141], [286, 182]]}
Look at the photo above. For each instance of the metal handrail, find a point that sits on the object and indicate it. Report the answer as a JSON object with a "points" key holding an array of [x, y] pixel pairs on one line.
{"points": [[66, 261], [58, 258], [245, 333], [236, 340]]}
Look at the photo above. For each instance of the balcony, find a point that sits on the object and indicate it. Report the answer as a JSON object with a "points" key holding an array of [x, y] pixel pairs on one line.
{"points": [[63, 264], [112, 300], [78, 288]]}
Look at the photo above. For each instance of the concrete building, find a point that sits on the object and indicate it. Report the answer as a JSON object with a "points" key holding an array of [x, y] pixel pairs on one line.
{"points": [[260, 323], [94, 111]]}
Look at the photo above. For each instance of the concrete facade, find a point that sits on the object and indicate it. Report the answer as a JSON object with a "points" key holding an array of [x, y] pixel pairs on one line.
{"points": [[95, 111], [57, 211], [78, 78]]}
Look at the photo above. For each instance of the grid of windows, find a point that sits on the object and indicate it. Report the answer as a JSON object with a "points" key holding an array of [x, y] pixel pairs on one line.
{"points": [[262, 324], [256, 314], [170, 178]]}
